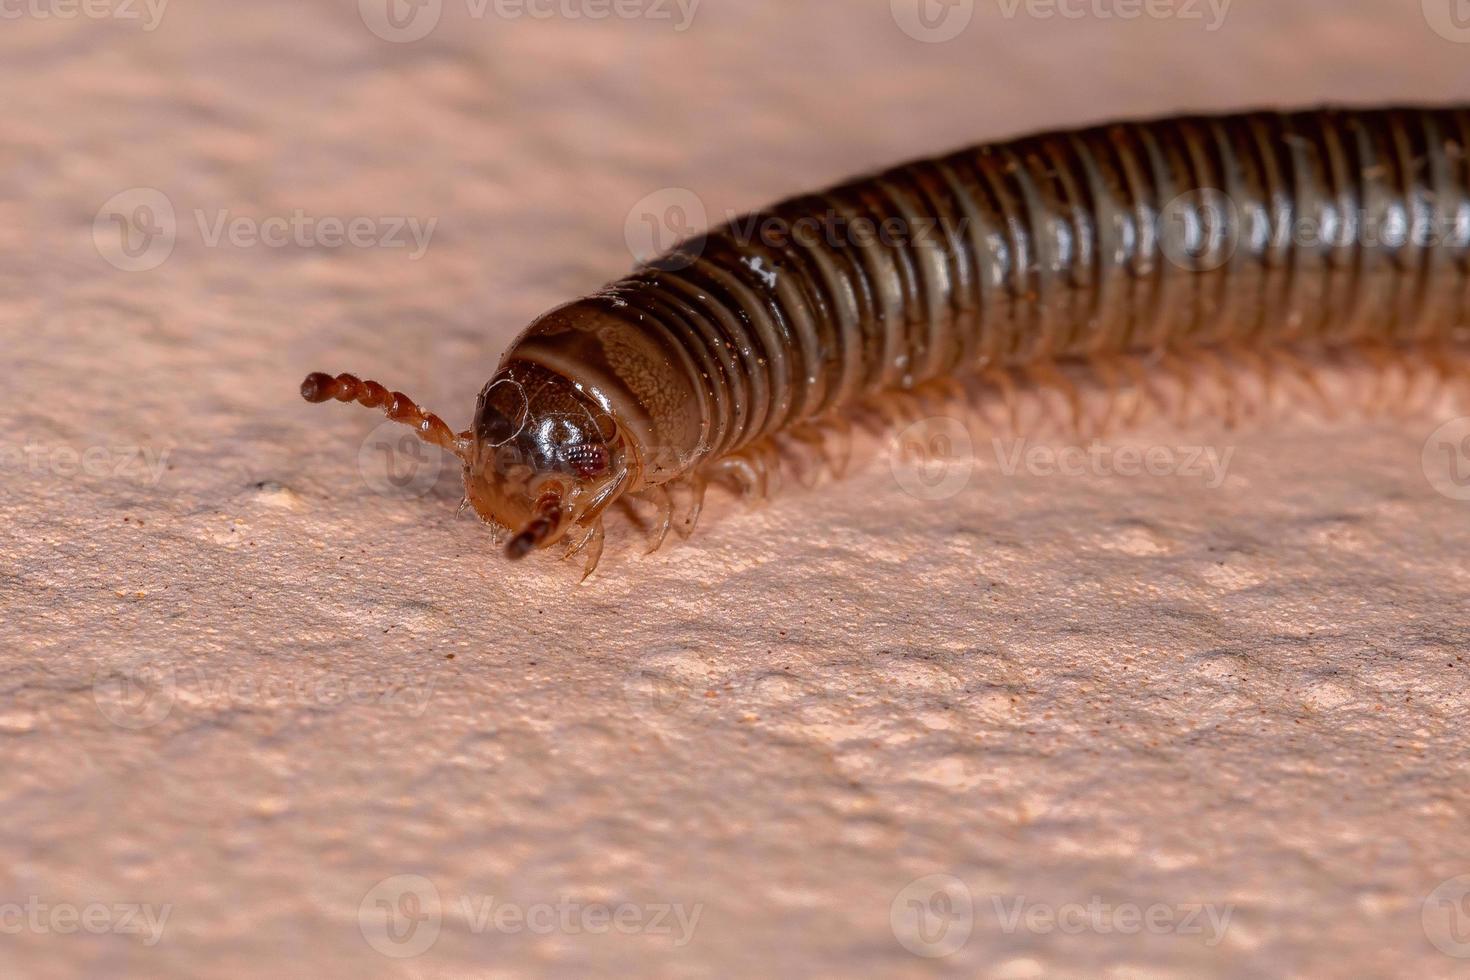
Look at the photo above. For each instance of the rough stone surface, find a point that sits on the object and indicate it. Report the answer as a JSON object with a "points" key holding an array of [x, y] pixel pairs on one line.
{"points": [[251, 689]]}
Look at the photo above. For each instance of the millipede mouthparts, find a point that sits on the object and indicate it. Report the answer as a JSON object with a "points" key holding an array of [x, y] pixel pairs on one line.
{"points": [[1247, 233]]}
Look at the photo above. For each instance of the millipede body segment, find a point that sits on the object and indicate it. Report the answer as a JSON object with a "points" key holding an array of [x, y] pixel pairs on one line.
{"points": [[1314, 229]]}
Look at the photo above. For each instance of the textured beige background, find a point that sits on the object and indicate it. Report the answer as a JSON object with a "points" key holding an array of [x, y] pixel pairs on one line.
{"points": [[252, 689]]}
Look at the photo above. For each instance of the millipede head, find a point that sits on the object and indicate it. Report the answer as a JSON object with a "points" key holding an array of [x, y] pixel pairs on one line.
{"points": [[542, 455], [538, 458]]}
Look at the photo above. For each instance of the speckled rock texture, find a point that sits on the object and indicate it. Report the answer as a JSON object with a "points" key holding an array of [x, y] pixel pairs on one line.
{"points": [[270, 709]]}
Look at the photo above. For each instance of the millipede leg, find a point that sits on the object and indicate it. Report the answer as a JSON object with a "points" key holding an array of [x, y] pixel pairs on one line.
{"points": [[1044, 374], [659, 497], [1179, 368], [745, 473], [1260, 367], [594, 549], [1229, 396], [769, 455], [1105, 368], [1148, 393], [577, 544], [1006, 385], [696, 483], [1303, 373], [804, 455]]}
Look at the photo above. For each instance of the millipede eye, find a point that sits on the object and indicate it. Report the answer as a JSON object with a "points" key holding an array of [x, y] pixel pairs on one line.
{"points": [[587, 461]]}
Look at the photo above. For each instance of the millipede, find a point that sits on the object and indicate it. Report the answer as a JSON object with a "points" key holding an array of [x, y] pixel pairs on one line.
{"points": [[1311, 231]]}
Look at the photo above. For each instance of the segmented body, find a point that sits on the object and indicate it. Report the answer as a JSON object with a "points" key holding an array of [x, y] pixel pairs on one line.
{"points": [[1321, 228], [1177, 232]]}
